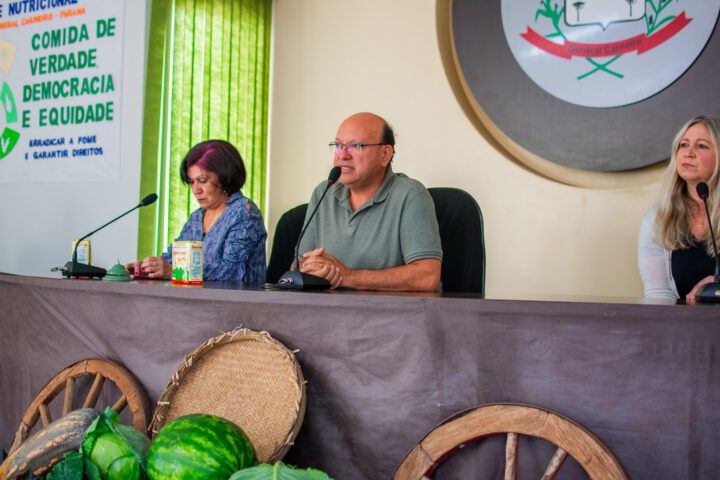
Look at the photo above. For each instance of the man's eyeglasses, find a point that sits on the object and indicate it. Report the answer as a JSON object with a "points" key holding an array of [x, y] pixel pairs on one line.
{"points": [[352, 147]]}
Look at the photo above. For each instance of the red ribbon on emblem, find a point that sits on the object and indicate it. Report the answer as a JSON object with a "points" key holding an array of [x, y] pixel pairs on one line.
{"points": [[641, 43]]}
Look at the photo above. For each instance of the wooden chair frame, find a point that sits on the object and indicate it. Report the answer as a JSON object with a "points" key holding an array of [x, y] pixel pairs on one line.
{"points": [[132, 395], [470, 425]]}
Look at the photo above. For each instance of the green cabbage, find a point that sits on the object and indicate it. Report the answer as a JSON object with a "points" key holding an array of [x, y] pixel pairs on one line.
{"points": [[113, 451], [279, 471]]}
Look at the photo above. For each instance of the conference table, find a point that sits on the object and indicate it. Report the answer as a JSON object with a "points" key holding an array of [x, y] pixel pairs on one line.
{"points": [[384, 369]]}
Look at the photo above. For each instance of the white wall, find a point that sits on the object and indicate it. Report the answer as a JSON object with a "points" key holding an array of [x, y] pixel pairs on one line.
{"points": [[337, 57], [40, 220]]}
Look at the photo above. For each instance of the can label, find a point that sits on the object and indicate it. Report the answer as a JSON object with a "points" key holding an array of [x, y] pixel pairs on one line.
{"points": [[83, 251], [187, 263]]}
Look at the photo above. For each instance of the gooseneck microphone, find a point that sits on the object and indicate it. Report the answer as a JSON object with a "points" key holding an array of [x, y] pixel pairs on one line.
{"points": [[294, 279], [709, 293], [75, 269]]}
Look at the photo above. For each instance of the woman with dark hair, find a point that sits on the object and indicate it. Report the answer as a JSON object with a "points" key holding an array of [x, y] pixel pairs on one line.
{"points": [[675, 251], [229, 224]]}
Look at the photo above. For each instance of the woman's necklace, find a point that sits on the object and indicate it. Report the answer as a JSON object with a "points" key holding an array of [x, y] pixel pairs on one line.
{"points": [[698, 225], [210, 219]]}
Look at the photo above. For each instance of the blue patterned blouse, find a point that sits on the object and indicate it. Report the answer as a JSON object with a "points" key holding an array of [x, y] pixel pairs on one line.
{"points": [[234, 247]]}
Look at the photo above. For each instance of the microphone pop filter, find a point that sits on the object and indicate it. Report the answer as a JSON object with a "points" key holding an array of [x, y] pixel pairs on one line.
{"points": [[334, 174], [702, 190], [148, 200]]}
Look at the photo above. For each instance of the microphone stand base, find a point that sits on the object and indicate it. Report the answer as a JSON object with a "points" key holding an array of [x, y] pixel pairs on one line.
{"points": [[78, 270], [709, 293], [294, 280]]}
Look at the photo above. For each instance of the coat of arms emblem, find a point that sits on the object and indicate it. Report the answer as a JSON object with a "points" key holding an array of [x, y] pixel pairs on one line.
{"points": [[606, 53]]}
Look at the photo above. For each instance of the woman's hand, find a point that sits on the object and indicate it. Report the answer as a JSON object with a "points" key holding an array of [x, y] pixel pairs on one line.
{"points": [[690, 297], [153, 267], [132, 267]]}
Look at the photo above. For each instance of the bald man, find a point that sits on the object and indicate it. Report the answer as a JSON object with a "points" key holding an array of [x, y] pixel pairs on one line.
{"points": [[377, 229]]}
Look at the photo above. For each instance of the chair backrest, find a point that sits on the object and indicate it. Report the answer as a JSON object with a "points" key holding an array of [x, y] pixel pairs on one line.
{"points": [[287, 232], [463, 240], [479, 422]]}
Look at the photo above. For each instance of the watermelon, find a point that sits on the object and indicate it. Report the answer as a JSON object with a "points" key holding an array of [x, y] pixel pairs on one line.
{"points": [[199, 446]]}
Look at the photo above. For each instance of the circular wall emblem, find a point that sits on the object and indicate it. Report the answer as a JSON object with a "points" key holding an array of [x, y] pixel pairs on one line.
{"points": [[606, 53], [575, 144]]}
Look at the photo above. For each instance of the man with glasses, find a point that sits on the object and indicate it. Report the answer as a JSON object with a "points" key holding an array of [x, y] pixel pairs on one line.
{"points": [[377, 229]]}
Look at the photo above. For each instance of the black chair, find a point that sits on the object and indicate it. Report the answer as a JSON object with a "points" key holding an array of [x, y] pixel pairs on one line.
{"points": [[463, 240], [286, 235]]}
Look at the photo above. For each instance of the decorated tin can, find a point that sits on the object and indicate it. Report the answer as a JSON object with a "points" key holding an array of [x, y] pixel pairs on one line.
{"points": [[83, 251], [187, 263]]}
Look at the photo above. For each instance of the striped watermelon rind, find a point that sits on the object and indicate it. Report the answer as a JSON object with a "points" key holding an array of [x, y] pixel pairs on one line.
{"points": [[199, 446]]}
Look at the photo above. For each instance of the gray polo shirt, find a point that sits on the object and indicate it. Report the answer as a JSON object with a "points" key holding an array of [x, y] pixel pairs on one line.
{"points": [[395, 227]]}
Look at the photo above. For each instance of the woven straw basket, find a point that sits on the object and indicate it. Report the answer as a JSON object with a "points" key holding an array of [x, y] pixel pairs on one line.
{"points": [[246, 377]]}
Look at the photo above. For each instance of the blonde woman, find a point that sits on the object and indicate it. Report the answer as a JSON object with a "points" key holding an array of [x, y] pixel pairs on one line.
{"points": [[675, 251]]}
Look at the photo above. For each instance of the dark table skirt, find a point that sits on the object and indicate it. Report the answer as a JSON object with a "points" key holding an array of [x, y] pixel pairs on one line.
{"points": [[383, 370]]}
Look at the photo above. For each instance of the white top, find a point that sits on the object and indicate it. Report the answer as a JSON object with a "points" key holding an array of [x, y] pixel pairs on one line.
{"points": [[654, 264]]}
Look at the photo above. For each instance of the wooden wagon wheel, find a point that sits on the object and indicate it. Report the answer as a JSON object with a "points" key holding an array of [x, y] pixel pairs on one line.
{"points": [[132, 395], [512, 419]]}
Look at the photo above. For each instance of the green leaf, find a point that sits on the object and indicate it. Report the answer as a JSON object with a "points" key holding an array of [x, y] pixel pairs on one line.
{"points": [[69, 469], [91, 470], [279, 471], [664, 20], [541, 12]]}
